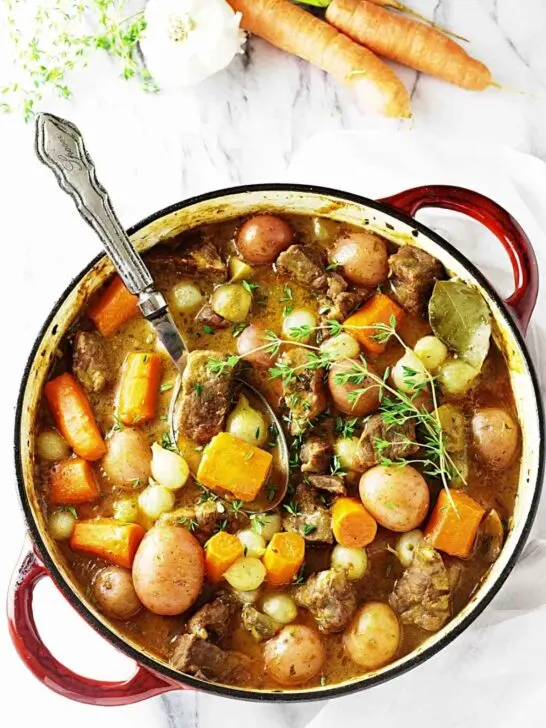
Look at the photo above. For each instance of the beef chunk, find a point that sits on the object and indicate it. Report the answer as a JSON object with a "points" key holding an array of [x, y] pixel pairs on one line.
{"points": [[329, 483], [412, 274], [89, 362], [208, 317], [304, 393], [205, 397], [339, 301], [401, 439], [198, 258], [205, 518], [331, 599], [214, 617], [197, 656], [315, 454], [422, 594], [303, 265], [261, 626], [313, 521]]}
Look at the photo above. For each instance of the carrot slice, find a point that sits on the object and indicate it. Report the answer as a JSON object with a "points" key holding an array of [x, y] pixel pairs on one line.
{"points": [[234, 465], [352, 524], [454, 530], [379, 309], [221, 551], [113, 308], [139, 387], [109, 539], [72, 481], [74, 417], [283, 557]]}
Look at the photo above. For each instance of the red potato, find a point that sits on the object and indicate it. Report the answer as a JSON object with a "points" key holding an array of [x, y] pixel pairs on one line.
{"points": [[262, 237], [363, 258], [128, 458], [114, 593], [168, 570], [366, 402], [397, 497], [251, 338], [495, 436], [295, 655]]}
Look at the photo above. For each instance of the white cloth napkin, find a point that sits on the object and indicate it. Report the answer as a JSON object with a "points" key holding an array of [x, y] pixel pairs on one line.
{"points": [[495, 672]]}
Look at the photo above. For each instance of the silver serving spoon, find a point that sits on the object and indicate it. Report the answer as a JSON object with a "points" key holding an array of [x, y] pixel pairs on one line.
{"points": [[60, 146]]}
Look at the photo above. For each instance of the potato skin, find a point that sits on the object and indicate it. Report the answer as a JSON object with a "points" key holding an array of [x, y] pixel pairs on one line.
{"points": [[363, 258], [114, 593], [495, 437], [128, 458], [366, 403], [252, 337], [373, 637], [168, 570], [295, 655], [397, 497], [262, 237]]}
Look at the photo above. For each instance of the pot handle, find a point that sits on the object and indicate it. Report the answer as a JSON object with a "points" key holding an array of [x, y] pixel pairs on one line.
{"points": [[498, 220], [39, 660]]}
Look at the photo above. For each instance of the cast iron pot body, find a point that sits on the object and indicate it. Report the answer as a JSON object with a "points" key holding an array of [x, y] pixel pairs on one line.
{"points": [[393, 218]]}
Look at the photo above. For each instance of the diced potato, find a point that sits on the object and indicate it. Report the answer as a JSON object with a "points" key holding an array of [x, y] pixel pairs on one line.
{"points": [[346, 449], [253, 542], [239, 270], [431, 351], [246, 574], [187, 296], [280, 607], [342, 346], [51, 446], [409, 373], [353, 561], [155, 500], [232, 301], [169, 468], [61, 524], [456, 377], [247, 423], [299, 325]]}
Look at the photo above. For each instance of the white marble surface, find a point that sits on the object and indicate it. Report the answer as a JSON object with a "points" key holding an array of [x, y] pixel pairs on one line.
{"points": [[242, 126]]}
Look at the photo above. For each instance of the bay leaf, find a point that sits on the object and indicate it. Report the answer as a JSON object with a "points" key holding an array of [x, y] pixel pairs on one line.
{"points": [[460, 317]]}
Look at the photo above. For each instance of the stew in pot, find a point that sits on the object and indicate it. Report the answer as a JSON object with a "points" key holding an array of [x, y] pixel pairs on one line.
{"points": [[404, 453]]}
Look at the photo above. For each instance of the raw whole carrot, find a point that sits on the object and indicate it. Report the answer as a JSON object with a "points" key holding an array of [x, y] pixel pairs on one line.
{"points": [[379, 309], [234, 465], [395, 5], [408, 42], [71, 482], [139, 387], [108, 539], [221, 551], [453, 524], [352, 524], [296, 31], [113, 308], [74, 417], [283, 557]]}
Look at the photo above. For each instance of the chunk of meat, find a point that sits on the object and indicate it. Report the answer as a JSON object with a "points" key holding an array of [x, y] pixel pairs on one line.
{"points": [[304, 393], [372, 448], [197, 656], [200, 258], [422, 595], [261, 626], [205, 397], [305, 266], [412, 275], [313, 520], [208, 317], [331, 599], [205, 518], [315, 454], [329, 483], [338, 301], [89, 362], [214, 617]]}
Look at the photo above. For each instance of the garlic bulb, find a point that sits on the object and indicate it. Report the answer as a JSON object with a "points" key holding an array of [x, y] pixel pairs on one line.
{"points": [[186, 41]]}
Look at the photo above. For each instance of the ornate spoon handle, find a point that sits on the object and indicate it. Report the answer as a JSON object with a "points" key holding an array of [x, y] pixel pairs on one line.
{"points": [[59, 145]]}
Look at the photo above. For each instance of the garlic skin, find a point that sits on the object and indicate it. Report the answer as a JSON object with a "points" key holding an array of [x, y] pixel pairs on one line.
{"points": [[186, 41]]}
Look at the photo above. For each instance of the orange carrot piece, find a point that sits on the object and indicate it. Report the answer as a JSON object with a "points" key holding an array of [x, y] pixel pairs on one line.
{"points": [[234, 465], [139, 387], [408, 42], [113, 308], [294, 30], [74, 417], [72, 481], [352, 524], [109, 539], [283, 557], [221, 551], [395, 5], [377, 310], [454, 530]]}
